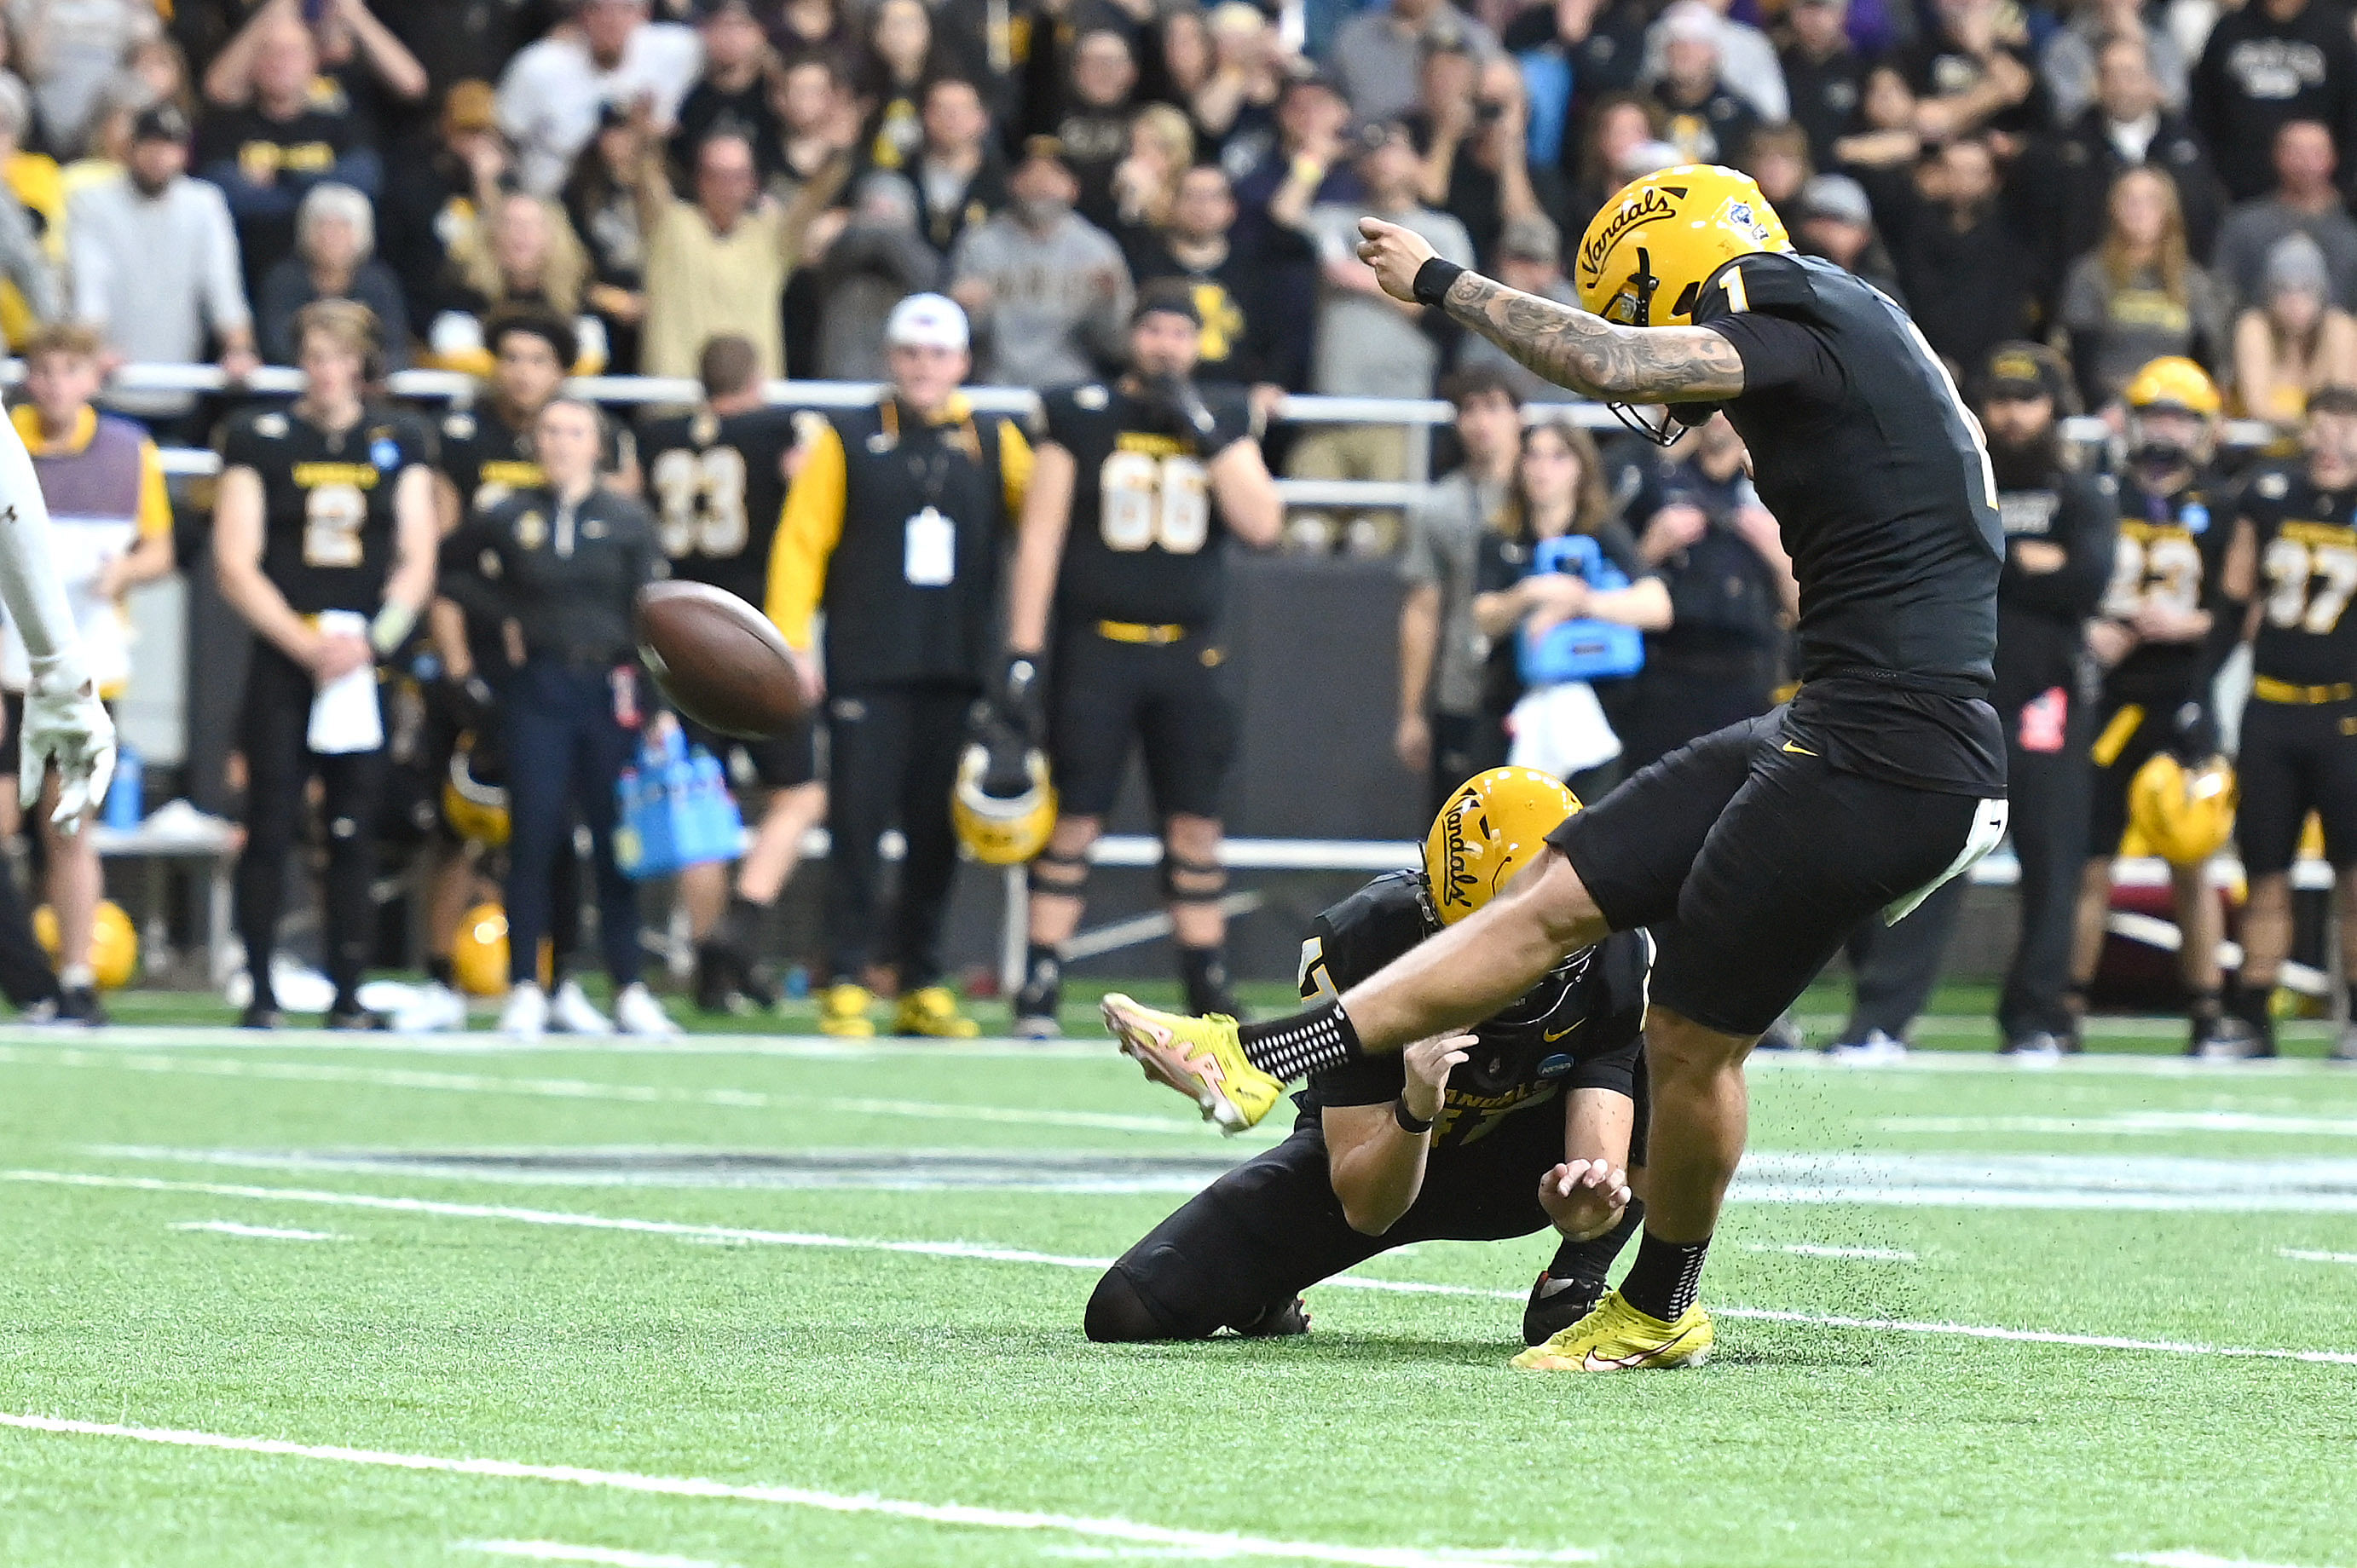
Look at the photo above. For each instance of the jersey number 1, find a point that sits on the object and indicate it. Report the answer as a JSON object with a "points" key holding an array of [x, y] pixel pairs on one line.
{"points": [[1144, 500]]}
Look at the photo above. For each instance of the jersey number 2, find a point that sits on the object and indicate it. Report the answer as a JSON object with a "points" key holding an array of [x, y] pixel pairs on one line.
{"points": [[1143, 500], [332, 517], [2290, 603], [701, 498]]}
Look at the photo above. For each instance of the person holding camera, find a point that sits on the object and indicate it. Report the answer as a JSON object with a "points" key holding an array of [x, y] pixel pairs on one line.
{"points": [[557, 567], [1732, 596], [1137, 487], [1557, 492]]}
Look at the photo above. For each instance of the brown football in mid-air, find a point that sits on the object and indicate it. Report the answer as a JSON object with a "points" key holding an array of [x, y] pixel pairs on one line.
{"points": [[718, 659]]}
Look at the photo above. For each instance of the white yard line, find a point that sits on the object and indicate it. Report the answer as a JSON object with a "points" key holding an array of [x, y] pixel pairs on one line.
{"points": [[2302, 1255], [255, 1232], [2133, 1124], [979, 1251], [817, 1048], [953, 1514], [2193, 1560], [589, 1088], [1811, 1250], [558, 1551]]}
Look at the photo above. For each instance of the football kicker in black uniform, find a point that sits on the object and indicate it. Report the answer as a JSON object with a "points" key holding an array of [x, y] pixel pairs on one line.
{"points": [[1124, 533], [2298, 527], [325, 507], [1552, 1087], [717, 480], [1751, 853]]}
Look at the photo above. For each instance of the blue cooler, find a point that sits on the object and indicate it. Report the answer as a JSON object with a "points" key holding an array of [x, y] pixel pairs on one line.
{"points": [[674, 810], [1579, 650]]}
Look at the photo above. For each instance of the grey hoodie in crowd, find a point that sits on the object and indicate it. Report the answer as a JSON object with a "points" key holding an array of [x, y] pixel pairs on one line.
{"points": [[1058, 300]]}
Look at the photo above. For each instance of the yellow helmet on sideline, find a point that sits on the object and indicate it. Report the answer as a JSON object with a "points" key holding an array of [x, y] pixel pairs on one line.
{"points": [[1647, 253], [478, 957], [114, 943], [1003, 829], [474, 809], [2186, 815], [1494, 824]]}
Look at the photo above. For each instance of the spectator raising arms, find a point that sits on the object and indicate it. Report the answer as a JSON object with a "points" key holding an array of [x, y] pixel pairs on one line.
{"points": [[609, 53], [2295, 340], [335, 241], [2138, 297]]}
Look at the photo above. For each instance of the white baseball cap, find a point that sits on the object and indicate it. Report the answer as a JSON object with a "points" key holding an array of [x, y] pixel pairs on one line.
{"points": [[927, 321]]}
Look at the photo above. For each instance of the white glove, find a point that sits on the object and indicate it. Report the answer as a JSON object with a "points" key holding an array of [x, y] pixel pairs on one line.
{"points": [[65, 724]]}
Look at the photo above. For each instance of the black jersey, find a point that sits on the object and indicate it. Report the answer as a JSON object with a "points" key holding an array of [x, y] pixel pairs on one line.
{"points": [[2171, 551], [486, 458], [328, 501], [1881, 485], [1145, 541], [2308, 572], [1578, 1028], [717, 485]]}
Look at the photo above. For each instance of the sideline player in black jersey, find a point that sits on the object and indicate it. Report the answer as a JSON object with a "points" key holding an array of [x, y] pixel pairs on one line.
{"points": [[486, 456], [2295, 550], [1522, 1122], [717, 480], [1137, 487], [325, 507], [2159, 635], [1749, 853]]}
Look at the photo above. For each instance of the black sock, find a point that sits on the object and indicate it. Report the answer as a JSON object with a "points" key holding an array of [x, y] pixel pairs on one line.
{"points": [[1581, 1265], [1666, 1277], [1043, 966], [438, 970], [2353, 1002], [257, 969], [1204, 973], [2206, 1007], [2251, 1005], [741, 924], [1287, 1049]]}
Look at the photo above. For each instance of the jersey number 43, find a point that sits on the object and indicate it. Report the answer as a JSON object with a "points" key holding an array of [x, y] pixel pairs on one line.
{"points": [[1144, 500]]}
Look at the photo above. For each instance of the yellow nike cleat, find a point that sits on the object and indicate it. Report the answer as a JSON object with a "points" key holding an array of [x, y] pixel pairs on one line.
{"points": [[842, 1011], [933, 1011], [1617, 1337], [1199, 1058]]}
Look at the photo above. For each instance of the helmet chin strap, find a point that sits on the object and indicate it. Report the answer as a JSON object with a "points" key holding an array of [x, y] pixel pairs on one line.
{"points": [[1668, 429]]}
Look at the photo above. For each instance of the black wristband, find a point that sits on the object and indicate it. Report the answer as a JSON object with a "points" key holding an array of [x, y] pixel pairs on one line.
{"points": [[1434, 280], [1408, 1122]]}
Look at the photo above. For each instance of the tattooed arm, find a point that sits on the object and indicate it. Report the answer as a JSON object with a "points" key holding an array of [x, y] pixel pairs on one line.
{"points": [[1562, 342]]}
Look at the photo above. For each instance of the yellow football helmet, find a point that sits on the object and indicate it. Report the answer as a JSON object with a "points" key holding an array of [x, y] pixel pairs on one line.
{"points": [[474, 809], [2174, 381], [1494, 824], [478, 957], [999, 828], [114, 943], [1646, 255], [2185, 815]]}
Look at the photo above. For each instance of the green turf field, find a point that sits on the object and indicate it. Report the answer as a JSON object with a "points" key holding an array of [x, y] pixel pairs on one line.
{"points": [[318, 1300]]}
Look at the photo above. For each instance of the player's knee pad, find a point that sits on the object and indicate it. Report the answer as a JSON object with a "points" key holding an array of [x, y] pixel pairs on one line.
{"points": [[1058, 876], [1185, 881], [1117, 1315]]}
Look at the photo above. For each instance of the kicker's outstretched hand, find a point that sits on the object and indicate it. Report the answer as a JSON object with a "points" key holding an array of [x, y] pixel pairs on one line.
{"points": [[1395, 254]]}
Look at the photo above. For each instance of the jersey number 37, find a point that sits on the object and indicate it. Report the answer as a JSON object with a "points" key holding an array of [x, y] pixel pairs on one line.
{"points": [[1144, 500]]}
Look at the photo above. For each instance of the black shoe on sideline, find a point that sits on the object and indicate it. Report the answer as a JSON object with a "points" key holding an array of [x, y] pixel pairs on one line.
{"points": [[356, 1020], [80, 1005], [262, 1016]]}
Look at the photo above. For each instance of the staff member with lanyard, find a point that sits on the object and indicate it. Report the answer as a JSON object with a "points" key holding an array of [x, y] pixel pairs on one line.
{"points": [[557, 567], [894, 526]]}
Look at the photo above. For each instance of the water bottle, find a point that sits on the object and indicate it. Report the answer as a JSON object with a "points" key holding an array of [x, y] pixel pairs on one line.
{"points": [[126, 798]]}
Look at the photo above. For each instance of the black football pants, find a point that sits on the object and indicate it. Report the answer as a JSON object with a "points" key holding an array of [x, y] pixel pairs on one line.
{"points": [[274, 733], [892, 762], [2047, 788]]}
